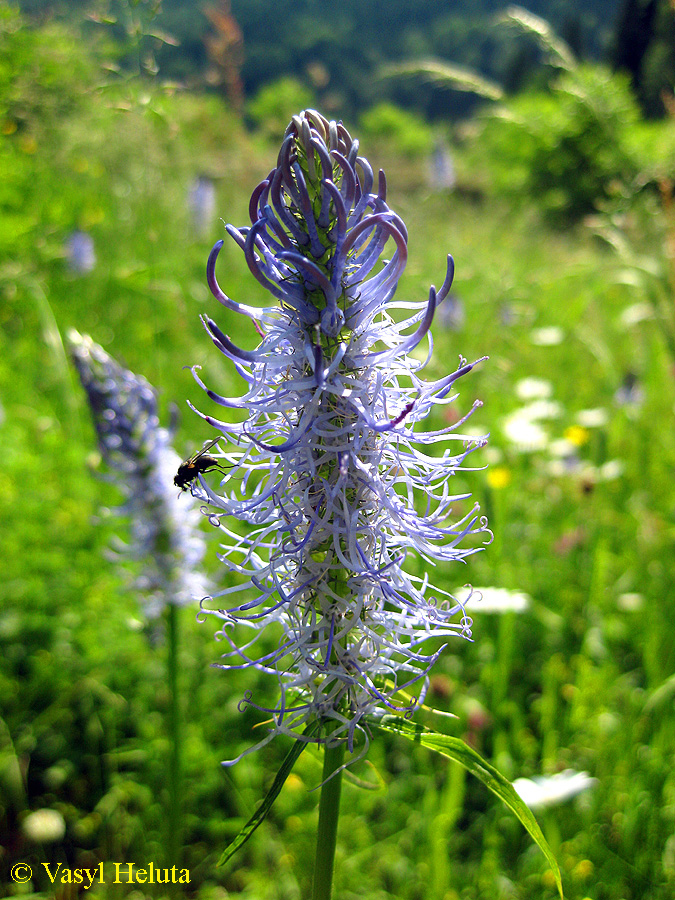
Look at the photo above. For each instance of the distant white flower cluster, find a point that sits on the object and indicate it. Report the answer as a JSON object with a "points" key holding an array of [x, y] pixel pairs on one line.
{"points": [[522, 428], [494, 600], [526, 431], [543, 791], [44, 826], [550, 336]]}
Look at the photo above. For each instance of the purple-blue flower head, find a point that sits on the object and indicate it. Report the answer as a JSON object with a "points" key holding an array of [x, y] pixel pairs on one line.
{"points": [[138, 452], [334, 480]]}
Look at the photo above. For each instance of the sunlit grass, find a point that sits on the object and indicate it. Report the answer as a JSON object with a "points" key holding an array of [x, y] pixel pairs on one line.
{"points": [[570, 683]]}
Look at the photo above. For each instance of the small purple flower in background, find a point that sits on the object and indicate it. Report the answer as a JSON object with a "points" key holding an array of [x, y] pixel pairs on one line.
{"points": [[452, 314], [442, 175], [164, 532], [630, 394], [80, 252], [202, 203], [328, 471]]}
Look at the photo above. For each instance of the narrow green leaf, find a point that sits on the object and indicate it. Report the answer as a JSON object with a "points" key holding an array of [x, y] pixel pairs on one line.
{"points": [[456, 749], [262, 811], [540, 29], [164, 37], [448, 75]]}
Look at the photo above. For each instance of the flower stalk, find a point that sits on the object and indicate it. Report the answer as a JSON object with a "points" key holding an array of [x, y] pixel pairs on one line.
{"points": [[329, 811], [335, 483], [174, 837], [164, 534]]}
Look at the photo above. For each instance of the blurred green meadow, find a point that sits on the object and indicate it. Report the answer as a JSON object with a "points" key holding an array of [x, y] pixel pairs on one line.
{"points": [[571, 297]]}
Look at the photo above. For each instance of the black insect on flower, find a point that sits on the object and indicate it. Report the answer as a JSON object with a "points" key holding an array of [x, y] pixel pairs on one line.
{"points": [[196, 465]]}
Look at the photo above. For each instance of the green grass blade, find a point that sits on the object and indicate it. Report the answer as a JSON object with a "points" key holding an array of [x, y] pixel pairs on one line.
{"points": [[262, 811], [447, 75], [456, 749], [560, 52]]}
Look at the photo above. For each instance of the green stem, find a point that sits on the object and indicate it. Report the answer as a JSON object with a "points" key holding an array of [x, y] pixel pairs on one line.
{"points": [[173, 842], [329, 810], [504, 661]]}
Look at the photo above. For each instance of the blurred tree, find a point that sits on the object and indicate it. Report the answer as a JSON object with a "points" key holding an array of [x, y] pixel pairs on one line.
{"points": [[567, 148], [350, 41], [644, 46], [635, 30], [658, 68], [272, 107], [386, 124], [226, 52]]}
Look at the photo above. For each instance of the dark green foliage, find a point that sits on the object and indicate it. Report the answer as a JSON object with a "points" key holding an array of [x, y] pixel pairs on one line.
{"points": [[351, 41], [568, 149], [644, 46], [460, 752], [271, 109], [657, 74], [386, 125], [635, 31]]}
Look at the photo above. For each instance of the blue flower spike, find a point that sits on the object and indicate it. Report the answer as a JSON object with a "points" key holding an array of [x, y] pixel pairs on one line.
{"points": [[327, 469], [139, 455]]}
